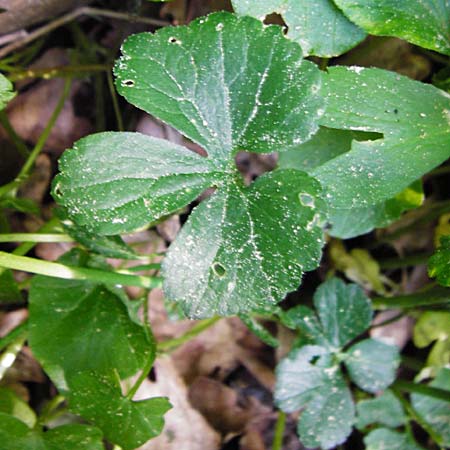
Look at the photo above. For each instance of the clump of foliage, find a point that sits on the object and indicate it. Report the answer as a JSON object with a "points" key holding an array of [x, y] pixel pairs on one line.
{"points": [[353, 142]]}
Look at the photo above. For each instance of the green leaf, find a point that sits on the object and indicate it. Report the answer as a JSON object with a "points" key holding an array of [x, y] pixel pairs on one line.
{"points": [[422, 22], [372, 364], [146, 179], [305, 320], [9, 291], [413, 118], [309, 379], [344, 311], [321, 29], [79, 325], [108, 246], [246, 247], [126, 423], [228, 84], [67, 437], [439, 263], [385, 439], [385, 410], [6, 91], [434, 411], [329, 143], [11, 403]]}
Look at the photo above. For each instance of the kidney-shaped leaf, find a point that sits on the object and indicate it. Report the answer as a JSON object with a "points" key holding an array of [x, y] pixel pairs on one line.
{"points": [[309, 379], [80, 325], [321, 29], [15, 435], [414, 119], [422, 22], [98, 398], [229, 84]]}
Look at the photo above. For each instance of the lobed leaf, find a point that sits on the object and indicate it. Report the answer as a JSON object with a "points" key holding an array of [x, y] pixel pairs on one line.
{"points": [[344, 311], [308, 378], [127, 423], [385, 410], [17, 436], [111, 183], [229, 84], [246, 247], [79, 325], [422, 22], [414, 119], [372, 364], [320, 28]]}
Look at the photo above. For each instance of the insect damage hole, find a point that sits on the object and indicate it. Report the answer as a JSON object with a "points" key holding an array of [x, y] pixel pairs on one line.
{"points": [[128, 83], [174, 40], [218, 269]]}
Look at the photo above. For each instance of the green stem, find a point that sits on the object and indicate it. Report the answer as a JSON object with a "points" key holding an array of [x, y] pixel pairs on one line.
{"points": [[35, 237], [24, 248], [280, 426], [15, 138], [58, 270], [437, 296], [153, 350], [10, 354], [26, 168], [115, 102], [172, 344], [408, 261], [430, 391]]}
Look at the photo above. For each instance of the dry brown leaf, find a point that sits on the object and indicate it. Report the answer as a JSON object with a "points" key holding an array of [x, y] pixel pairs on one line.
{"points": [[30, 112], [185, 428], [212, 352], [220, 405]]}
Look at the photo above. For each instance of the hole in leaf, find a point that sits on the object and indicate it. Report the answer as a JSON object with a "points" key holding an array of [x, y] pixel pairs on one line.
{"points": [[174, 40], [128, 83], [218, 269], [57, 190]]}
